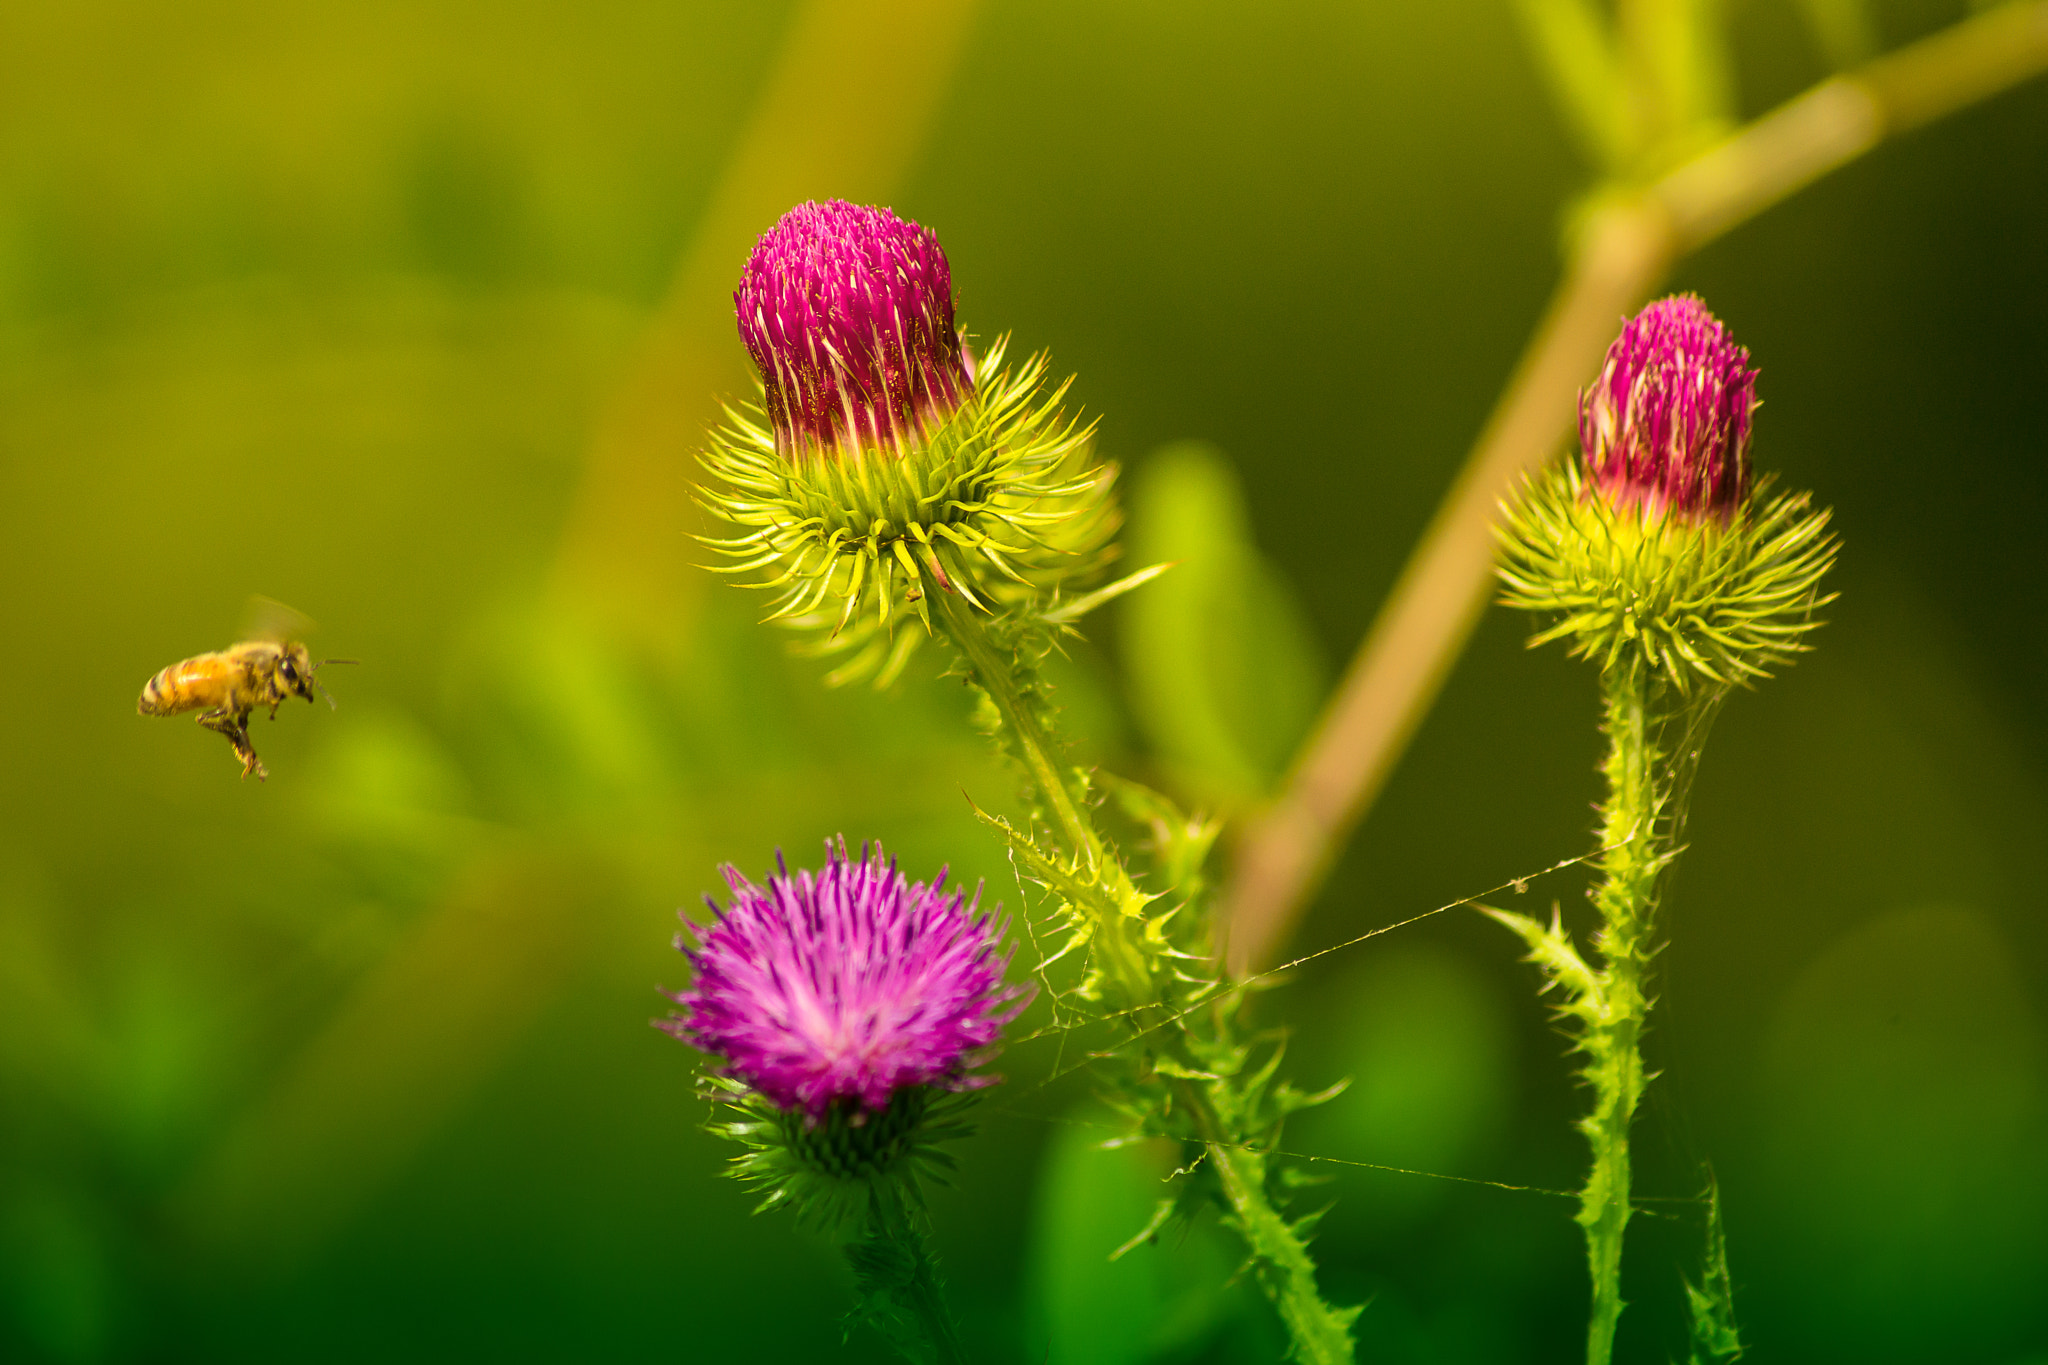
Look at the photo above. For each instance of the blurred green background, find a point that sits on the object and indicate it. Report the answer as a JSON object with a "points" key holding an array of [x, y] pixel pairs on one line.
{"points": [[391, 311]]}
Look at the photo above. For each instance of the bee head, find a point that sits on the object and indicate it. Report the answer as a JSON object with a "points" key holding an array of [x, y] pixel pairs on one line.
{"points": [[295, 671]]}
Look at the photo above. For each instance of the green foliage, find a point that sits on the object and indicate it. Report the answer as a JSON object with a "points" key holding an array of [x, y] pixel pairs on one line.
{"points": [[1178, 843], [1096, 913], [1098, 910], [1246, 1106], [1214, 1087], [1224, 673], [1552, 950], [860, 1177], [1701, 602]]}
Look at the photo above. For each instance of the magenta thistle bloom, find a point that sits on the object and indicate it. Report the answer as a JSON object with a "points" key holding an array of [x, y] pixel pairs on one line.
{"points": [[1666, 425], [848, 313], [846, 985]]}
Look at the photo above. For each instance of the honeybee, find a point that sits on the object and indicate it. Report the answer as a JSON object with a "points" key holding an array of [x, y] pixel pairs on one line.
{"points": [[231, 683]]}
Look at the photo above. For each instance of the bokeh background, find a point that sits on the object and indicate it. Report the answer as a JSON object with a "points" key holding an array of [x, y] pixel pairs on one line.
{"points": [[405, 314]]}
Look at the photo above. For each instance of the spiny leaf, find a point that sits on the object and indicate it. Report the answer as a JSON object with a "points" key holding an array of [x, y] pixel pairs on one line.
{"points": [[1551, 948], [1081, 606], [1711, 1303]]}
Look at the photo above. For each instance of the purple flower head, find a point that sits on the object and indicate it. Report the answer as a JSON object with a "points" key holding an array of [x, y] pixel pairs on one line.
{"points": [[1666, 425], [846, 984], [848, 313]]}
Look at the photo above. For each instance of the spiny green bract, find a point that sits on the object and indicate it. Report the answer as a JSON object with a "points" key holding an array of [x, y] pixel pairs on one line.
{"points": [[999, 501], [1702, 600], [826, 1169]]}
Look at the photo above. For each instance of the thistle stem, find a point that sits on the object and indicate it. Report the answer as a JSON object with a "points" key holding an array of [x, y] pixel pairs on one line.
{"points": [[1321, 1334], [894, 1262], [1287, 1273], [1626, 900], [997, 677]]}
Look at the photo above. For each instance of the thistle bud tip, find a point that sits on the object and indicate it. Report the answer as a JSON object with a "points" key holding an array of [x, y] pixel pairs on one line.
{"points": [[847, 311], [1666, 425]]}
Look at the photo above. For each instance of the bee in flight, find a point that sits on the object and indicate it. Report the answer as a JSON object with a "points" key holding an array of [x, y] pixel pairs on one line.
{"points": [[227, 685]]}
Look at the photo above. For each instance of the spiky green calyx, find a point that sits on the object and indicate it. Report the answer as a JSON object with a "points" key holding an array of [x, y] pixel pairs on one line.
{"points": [[827, 1168], [857, 1174], [1700, 600], [998, 501]]}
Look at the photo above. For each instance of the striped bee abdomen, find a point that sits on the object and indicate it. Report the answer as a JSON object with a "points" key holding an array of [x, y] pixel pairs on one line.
{"points": [[184, 686]]}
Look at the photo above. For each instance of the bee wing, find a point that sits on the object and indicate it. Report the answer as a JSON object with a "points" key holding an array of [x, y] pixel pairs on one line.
{"points": [[269, 619]]}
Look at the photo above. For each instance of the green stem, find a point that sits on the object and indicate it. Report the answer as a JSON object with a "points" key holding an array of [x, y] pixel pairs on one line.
{"points": [[997, 676], [895, 1265], [1626, 900], [1321, 1334]]}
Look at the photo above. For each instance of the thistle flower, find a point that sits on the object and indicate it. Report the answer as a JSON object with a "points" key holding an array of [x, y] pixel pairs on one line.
{"points": [[1666, 425], [884, 462], [846, 984], [847, 1009], [1658, 546]]}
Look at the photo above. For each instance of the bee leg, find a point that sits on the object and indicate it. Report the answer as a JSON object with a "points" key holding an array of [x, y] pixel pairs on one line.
{"points": [[250, 763], [235, 725]]}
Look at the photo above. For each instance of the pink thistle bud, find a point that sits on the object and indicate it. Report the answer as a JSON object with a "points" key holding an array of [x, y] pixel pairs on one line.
{"points": [[847, 311], [1666, 425], [843, 986]]}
